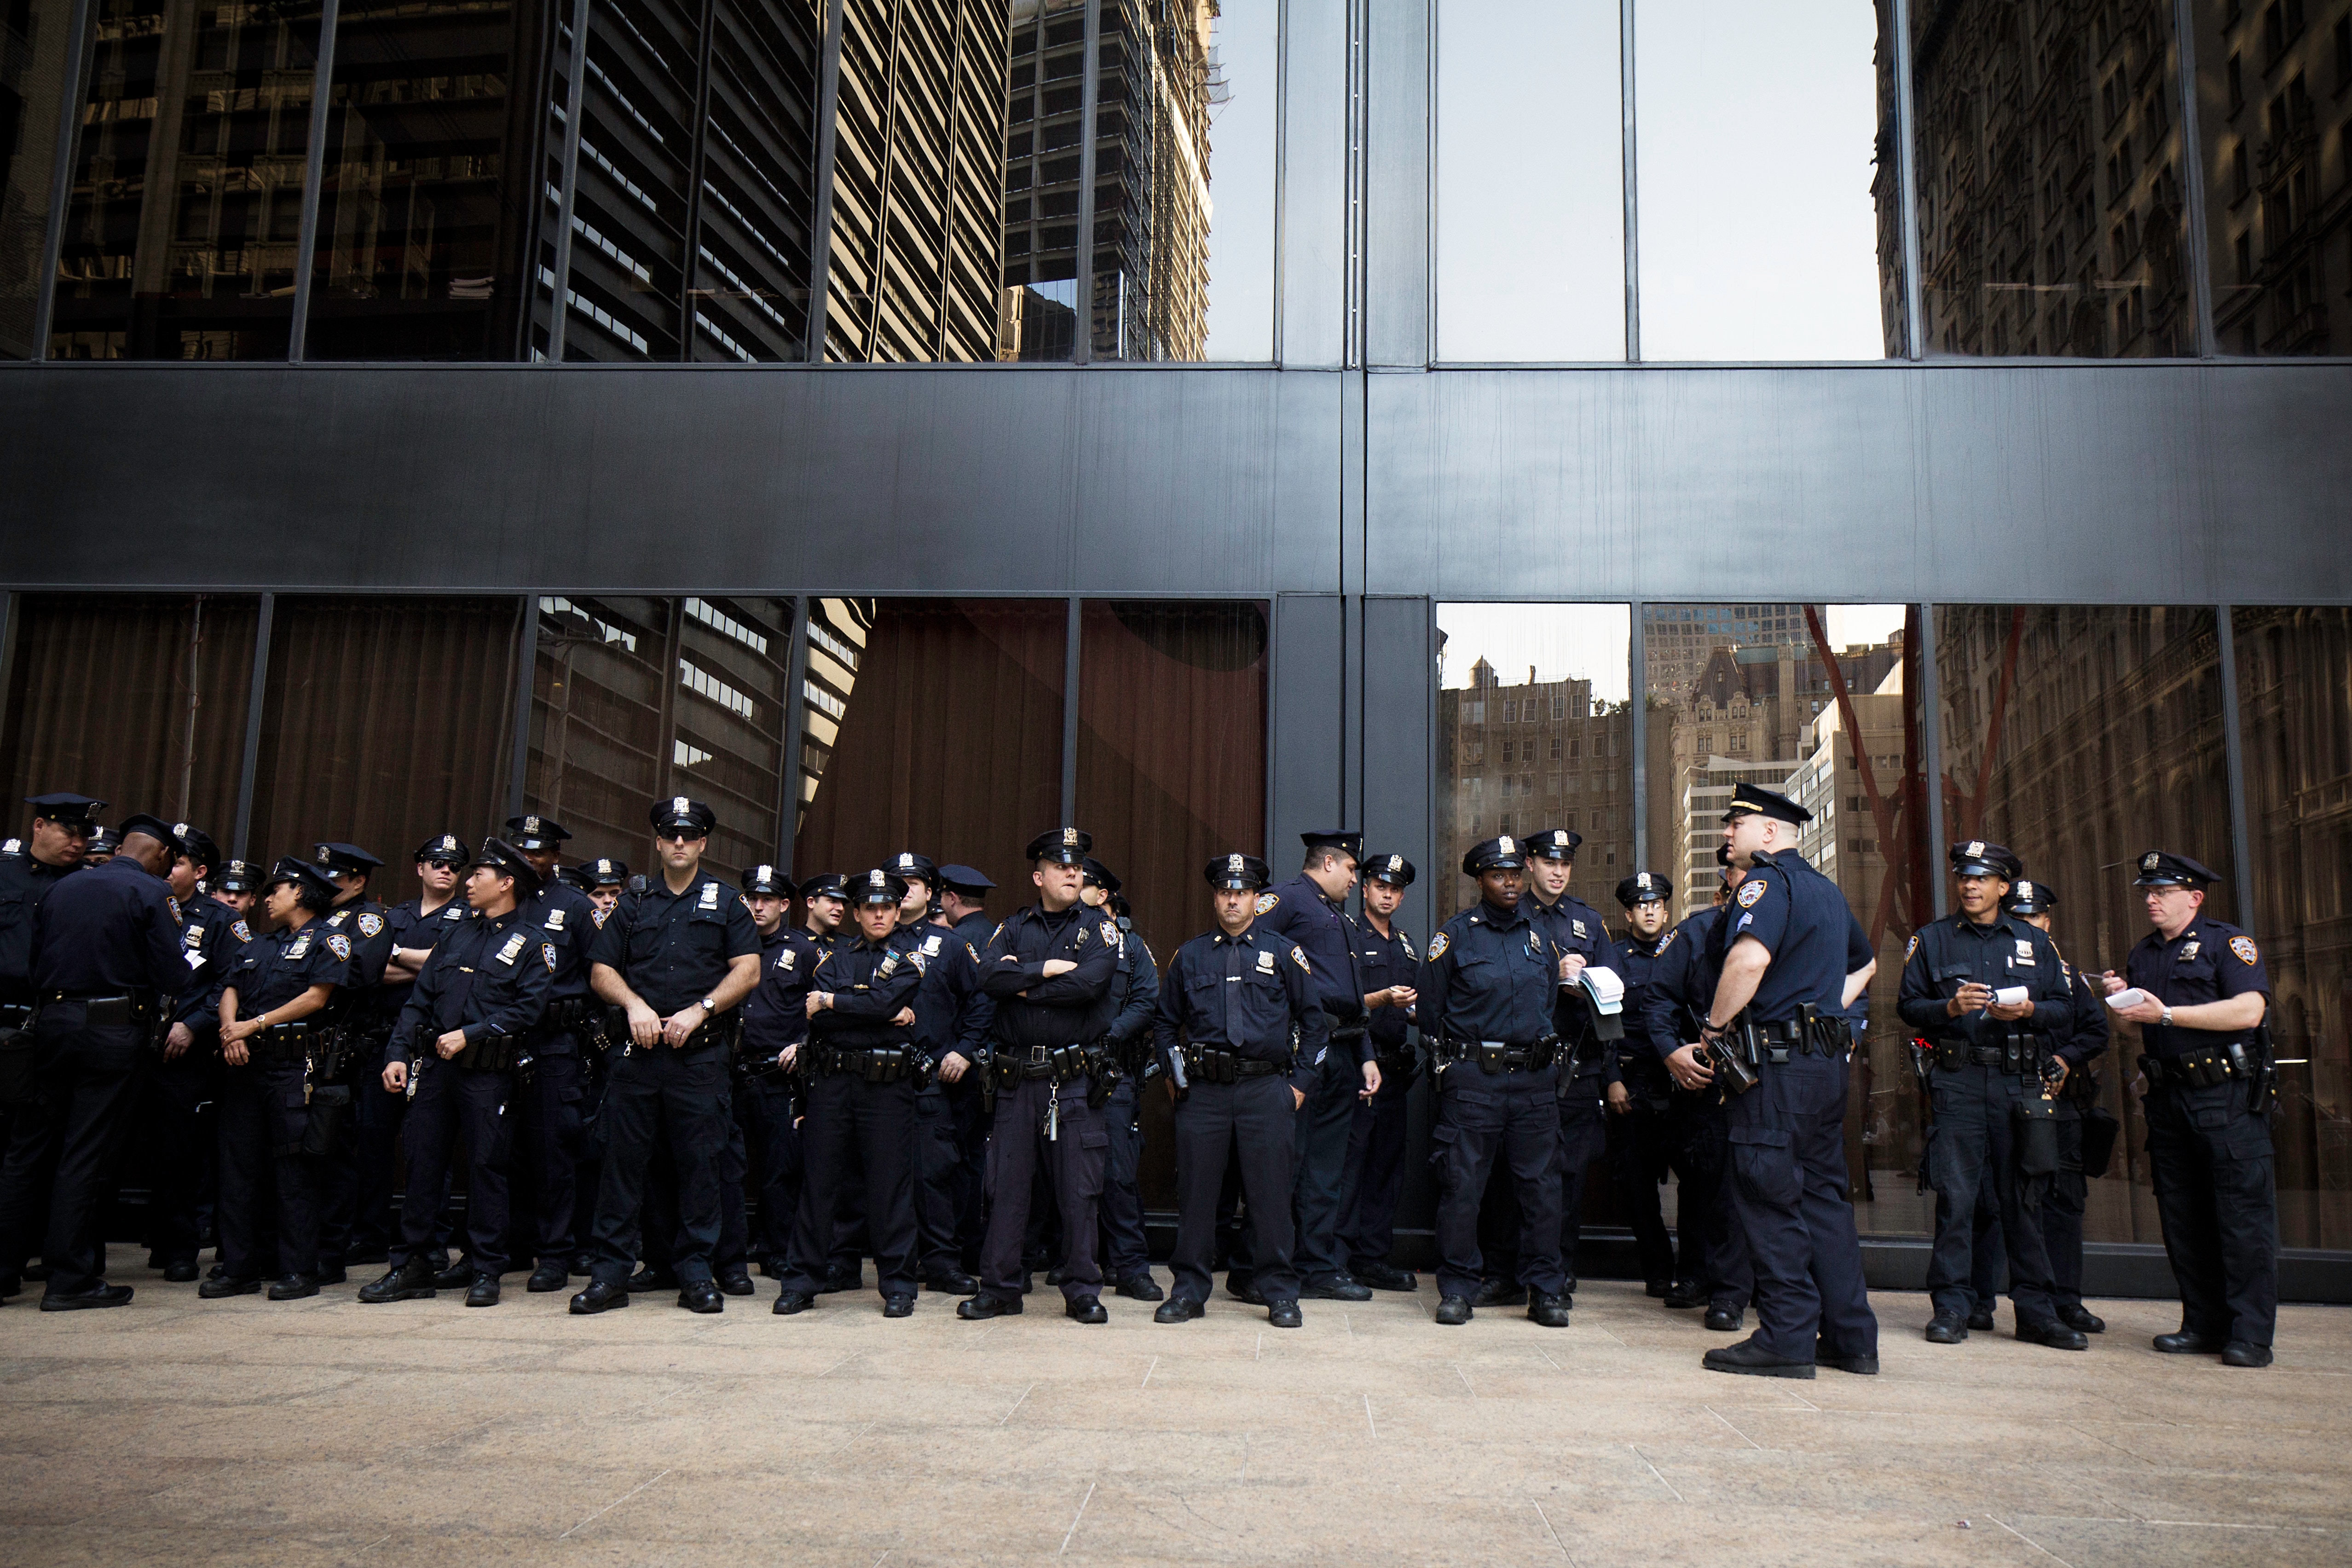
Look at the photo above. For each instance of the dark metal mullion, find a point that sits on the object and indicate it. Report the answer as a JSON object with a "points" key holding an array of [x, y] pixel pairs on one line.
{"points": [[1629, 178], [9, 604], [69, 113], [2193, 194], [2242, 864], [788, 778], [1082, 334], [314, 170], [828, 109], [526, 679], [1281, 162], [251, 763], [575, 114], [698, 162], [1906, 135], [1637, 732], [1931, 753], [1070, 708]]}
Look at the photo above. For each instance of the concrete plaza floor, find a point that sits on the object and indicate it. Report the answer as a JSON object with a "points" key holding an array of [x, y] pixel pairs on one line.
{"points": [[324, 1431]]}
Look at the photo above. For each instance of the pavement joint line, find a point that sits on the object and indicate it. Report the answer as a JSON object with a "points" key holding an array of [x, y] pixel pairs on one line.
{"points": [[1743, 1437], [1017, 1403], [1149, 1371], [2029, 1540], [1077, 1516], [1546, 1355], [836, 1366], [613, 1504], [1368, 1417], [1555, 1541], [1465, 1379], [1654, 1470]]}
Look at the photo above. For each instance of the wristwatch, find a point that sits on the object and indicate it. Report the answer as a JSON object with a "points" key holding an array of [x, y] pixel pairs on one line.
{"points": [[711, 1004], [2167, 1020]]}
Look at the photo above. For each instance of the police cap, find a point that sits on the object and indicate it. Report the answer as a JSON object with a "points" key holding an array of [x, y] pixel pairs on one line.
{"points": [[2158, 869], [770, 880], [1394, 869], [1348, 841], [826, 885], [606, 872], [1500, 854], [103, 841], [345, 859], [1642, 888], [154, 828], [2029, 898], [196, 845], [1240, 873], [574, 876], [1554, 844], [443, 849], [505, 860], [675, 813], [915, 868], [239, 876], [1099, 875], [1978, 859], [65, 807], [964, 880], [302, 874], [1748, 799], [536, 832], [879, 887], [1061, 846]]}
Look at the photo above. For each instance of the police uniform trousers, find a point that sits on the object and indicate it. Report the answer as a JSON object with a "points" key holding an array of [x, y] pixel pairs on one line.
{"points": [[1375, 1173], [659, 1240], [1251, 1123], [763, 1109], [1987, 1247], [1072, 1162], [1973, 1139], [1583, 1139], [1786, 1138], [1487, 1121], [860, 1134], [71, 1127], [1712, 1248], [2062, 1211], [263, 1116], [452, 1100], [938, 1166], [1125, 1253], [355, 1173], [1638, 1159], [1324, 1121], [661, 1098], [973, 1124], [2212, 1164], [177, 1123], [378, 1119], [549, 1108]]}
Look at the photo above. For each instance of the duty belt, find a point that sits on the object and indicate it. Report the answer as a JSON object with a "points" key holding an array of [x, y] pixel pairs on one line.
{"points": [[1502, 1056], [566, 1013], [113, 1009], [1215, 1064], [875, 1064], [1017, 1066], [283, 1042], [2199, 1069], [491, 1053]]}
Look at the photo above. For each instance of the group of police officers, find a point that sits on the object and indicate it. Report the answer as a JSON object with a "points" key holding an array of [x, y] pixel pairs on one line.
{"points": [[906, 1076]]}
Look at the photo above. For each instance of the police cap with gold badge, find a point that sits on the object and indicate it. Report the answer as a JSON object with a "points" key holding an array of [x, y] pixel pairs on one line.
{"points": [[1978, 859], [344, 859], [606, 872], [1554, 844], [1060, 847], [1238, 873], [505, 860], [965, 879], [534, 831], [1348, 841], [1644, 887], [1099, 875], [239, 876], [442, 849], [67, 808], [2029, 898], [879, 885], [575, 876], [154, 828], [104, 841], [198, 846], [2159, 869], [769, 881], [1748, 799], [1394, 869], [1503, 853], [676, 814], [302, 874], [826, 885], [915, 868]]}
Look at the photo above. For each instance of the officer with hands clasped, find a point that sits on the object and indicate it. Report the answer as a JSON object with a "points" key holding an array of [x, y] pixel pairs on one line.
{"points": [[2198, 994], [1391, 966], [2076, 1095], [1234, 1001], [767, 1098], [1485, 1001], [465, 1026], [185, 1083], [1993, 1000]]}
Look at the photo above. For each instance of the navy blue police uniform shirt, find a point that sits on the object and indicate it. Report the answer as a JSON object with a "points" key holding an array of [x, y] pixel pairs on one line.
{"points": [[1247, 995], [211, 933], [107, 931], [1069, 1009], [1299, 912], [2086, 1035], [1140, 1001], [1383, 962], [23, 883], [930, 946], [871, 983], [1489, 974], [408, 926], [491, 976], [775, 1015], [673, 949], [566, 920], [1805, 924], [1631, 1061], [1946, 954], [1681, 984], [2209, 962], [1574, 926], [275, 968], [366, 944], [975, 1010]]}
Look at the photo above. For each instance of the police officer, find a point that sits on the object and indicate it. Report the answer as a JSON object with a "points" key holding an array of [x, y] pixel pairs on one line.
{"points": [[1791, 958], [358, 1176], [767, 1099], [1669, 1008], [604, 878], [1224, 1026], [1051, 969], [467, 1024], [1643, 1125], [926, 935], [239, 886], [548, 1098], [1391, 967], [2062, 1210], [824, 907], [2203, 995], [1990, 994], [673, 959], [183, 1086], [1125, 1255], [864, 1054], [104, 844], [270, 1013], [30, 868], [1310, 909], [1485, 1003], [963, 900], [106, 971]]}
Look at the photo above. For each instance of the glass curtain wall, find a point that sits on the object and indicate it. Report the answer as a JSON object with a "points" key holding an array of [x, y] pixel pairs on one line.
{"points": [[33, 42]]}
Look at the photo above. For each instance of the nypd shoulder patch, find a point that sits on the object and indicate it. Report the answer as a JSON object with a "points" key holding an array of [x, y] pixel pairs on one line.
{"points": [[1437, 946], [340, 945], [1299, 957], [2243, 946], [1404, 940], [239, 930], [1911, 947], [547, 951], [371, 924], [1266, 901], [1749, 893]]}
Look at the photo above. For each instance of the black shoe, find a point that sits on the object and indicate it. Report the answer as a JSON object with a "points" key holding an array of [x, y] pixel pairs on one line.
{"points": [[1338, 1288], [1027, 1277], [221, 1286], [550, 1275], [1860, 1366], [294, 1287], [1053, 1276], [1283, 1314], [2082, 1318], [2237, 1352], [772, 1266], [1657, 1289], [1177, 1310], [1453, 1312], [1087, 1310], [1685, 1293], [1752, 1360], [952, 1282], [1725, 1320], [179, 1270], [737, 1282], [1141, 1287], [580, 1269], [2186, 1343], [1499, 1293], [1386, 1276], [791, 1301], [412, 1281], [1549, 1311], [366, 1255], [2055, 1334], [1947, 1329], [103, 1295], [983, 1306], [1245, 1292], [841, 1279], [332, 1274], [483, 1291], [458, 1276], [1980, 1316], [899, 1307], [702, 1296], [599, 1297], [647, 1279]]}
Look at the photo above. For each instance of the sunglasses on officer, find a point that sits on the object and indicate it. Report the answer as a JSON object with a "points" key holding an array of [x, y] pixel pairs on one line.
{"points": [[680, 835]]}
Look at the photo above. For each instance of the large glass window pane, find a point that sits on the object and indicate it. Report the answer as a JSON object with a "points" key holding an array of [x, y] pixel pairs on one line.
{"points": [[1770, 196], [2050, 203], [934, 725], [733, 668], [759, 192], [600, 720], [2079, 738], [140, 701], [1045, 94], [181, 238], [2274, 109], [1529, 194], [2295, 672], [32, 78], [426, 184], [384, 722]]}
